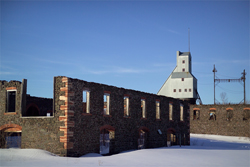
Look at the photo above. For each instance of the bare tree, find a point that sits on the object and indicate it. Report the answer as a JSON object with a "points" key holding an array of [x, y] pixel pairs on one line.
{"points": [[223, 97]]}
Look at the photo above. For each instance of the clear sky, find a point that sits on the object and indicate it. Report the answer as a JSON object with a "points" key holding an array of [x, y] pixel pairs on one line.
{"points": [[130, 44]]}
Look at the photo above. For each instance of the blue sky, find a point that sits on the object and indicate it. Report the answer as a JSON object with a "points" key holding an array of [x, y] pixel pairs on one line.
{"points": [[130, 44]]}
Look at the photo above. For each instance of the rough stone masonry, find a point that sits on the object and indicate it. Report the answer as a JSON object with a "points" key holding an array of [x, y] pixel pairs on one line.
{"points": [[73, 129]]}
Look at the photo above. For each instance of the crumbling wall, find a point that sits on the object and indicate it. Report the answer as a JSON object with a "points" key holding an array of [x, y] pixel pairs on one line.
{"points": [[40, 132], [235, 126], [82, 130], [71, 132]]}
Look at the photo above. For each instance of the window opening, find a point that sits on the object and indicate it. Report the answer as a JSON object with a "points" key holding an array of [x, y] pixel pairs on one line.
{"points": [[107, 133], [85, 101], [229, 115], [183, 70], [196, 114], [11, 100], [190, 90], [212, 115], [246, 114], [170, 111], [183, 61], [158, 110], [182, 79], [106, 106], [174, 90], [12, 139], [179, 90], [171, 138], [181, 112], [143, 108], [126, 106], [141, 140], [104, 142], [185, 90]]}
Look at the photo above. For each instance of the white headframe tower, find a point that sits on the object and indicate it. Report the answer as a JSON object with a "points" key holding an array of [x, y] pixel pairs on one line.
{"points": [[181, 83]]}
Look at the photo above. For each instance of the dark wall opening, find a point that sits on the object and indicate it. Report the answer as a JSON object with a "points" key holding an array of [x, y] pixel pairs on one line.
{"points": [[11, 101], [12, 139], [32, 110]]}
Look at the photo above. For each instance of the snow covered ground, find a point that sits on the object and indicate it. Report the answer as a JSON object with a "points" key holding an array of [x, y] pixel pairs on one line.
{"points": [[205, 150]]}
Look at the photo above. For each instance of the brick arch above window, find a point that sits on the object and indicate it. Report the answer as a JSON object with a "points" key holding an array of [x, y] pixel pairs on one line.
{"points": [[196, 109], [107, 127], [145, 129], [11, 128], [229, 108], [171, 130]]}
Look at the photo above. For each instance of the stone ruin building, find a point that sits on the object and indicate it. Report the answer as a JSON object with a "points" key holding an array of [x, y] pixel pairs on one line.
{"points": [[86, 117]]}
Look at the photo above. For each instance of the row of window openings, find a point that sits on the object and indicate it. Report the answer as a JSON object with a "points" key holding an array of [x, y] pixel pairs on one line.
{"points": [[106, 107], [185, 90], [212, 115], [11, 100]]}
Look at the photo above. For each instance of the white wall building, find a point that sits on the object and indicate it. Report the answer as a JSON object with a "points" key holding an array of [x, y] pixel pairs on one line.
{"points": [[181, 83]]}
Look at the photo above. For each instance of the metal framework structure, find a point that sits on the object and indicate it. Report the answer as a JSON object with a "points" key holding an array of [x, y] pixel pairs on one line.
{"points": [[242, 79]]}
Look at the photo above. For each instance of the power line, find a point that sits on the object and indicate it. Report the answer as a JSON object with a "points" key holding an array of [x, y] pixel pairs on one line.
{"points": [[231, 91], [227, 76], [242, 79], [201, 72]]}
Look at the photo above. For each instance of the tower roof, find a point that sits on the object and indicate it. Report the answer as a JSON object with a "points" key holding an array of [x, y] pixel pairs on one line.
{"points": [[184, 53]]}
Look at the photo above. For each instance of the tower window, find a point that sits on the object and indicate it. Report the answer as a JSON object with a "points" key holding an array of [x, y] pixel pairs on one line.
{"points": [[183, 70], [174, 90], [185, 90], [182, 79], [179, 90], [183, 61], [190, 90]]}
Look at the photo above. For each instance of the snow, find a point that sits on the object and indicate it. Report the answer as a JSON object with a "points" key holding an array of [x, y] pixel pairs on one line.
{"points": [[205, 150]]}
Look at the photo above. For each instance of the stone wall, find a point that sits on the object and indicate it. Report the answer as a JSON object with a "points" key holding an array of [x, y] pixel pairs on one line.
{"points": [[222, 125], [82, 130], [36, 132], [71, 132]]}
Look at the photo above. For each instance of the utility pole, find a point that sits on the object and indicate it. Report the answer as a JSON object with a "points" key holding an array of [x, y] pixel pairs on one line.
{"points": [[244, 81], [214, 71]]}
